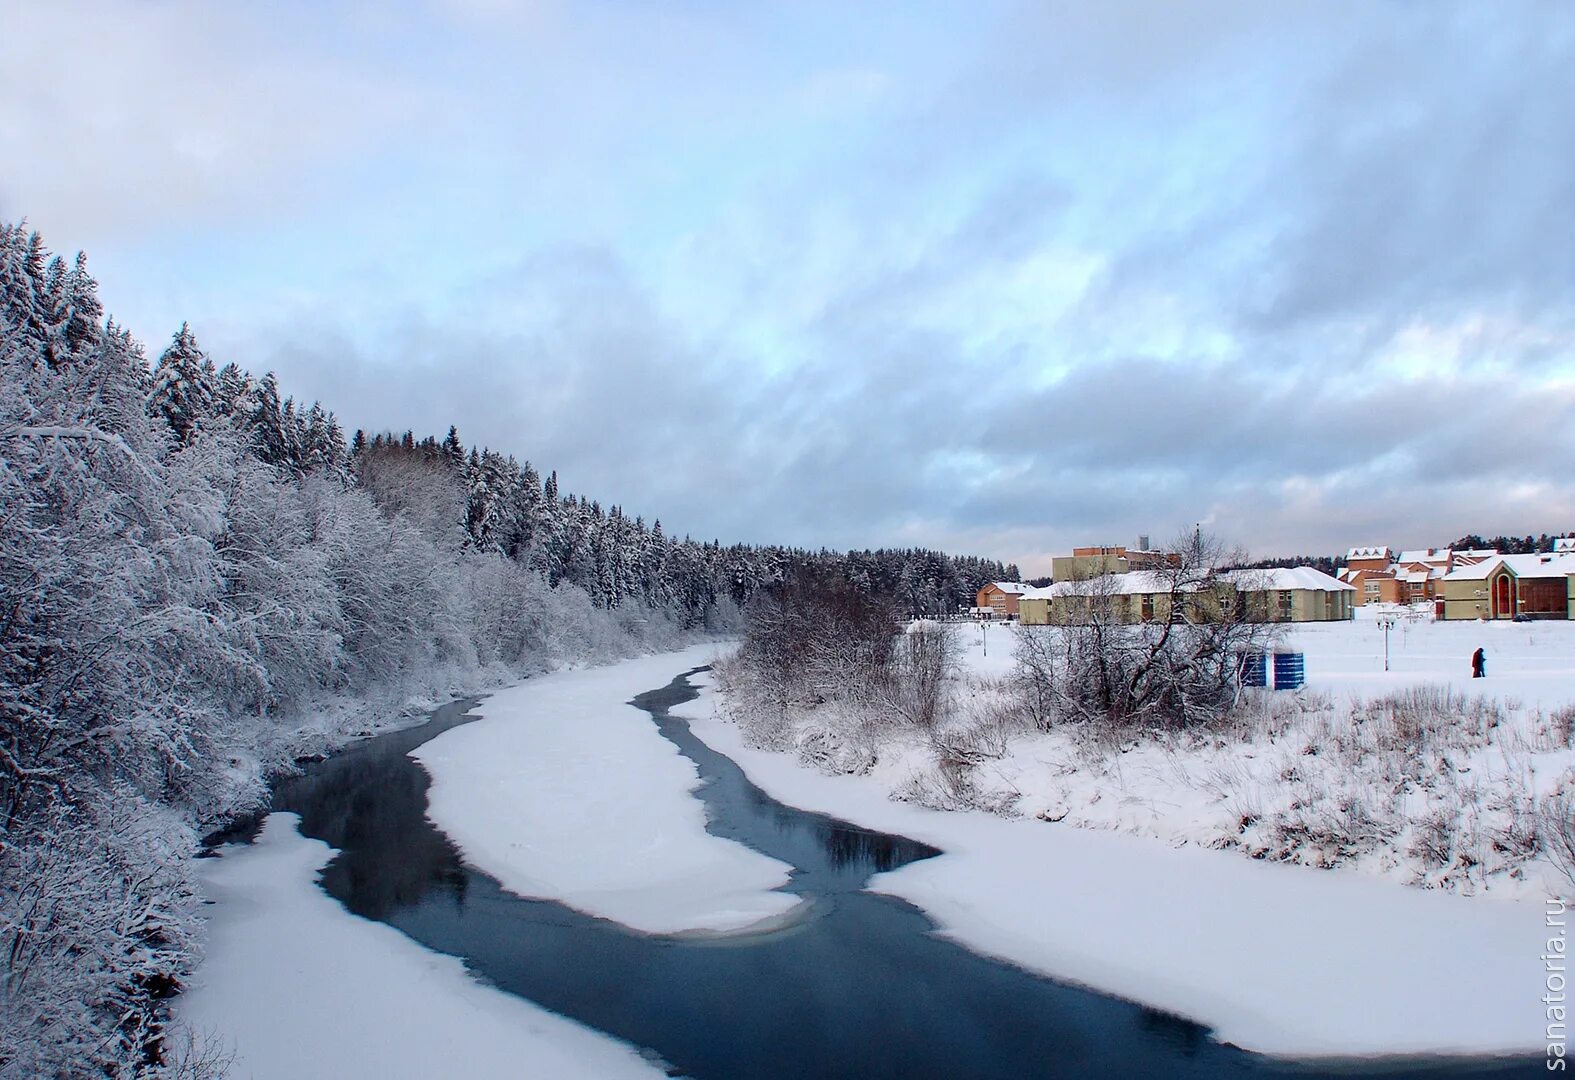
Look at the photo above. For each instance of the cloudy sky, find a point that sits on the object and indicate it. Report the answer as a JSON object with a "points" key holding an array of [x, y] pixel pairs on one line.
{"points": [[994, 277]]}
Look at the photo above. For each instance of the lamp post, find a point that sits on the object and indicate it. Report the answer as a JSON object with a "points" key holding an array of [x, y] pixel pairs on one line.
{"points": [[1387, 622]]}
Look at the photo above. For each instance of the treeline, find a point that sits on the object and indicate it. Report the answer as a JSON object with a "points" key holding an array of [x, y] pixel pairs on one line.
{"points": [[508, 508], [192, 564], [1329, 564], [1509, 545]]}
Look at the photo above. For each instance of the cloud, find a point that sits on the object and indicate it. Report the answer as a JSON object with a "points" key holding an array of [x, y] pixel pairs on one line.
{"points": [[1009, 280], [176, 114]]}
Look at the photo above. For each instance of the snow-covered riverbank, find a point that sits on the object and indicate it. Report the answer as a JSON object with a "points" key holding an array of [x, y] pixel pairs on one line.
{"points": [[1280, 959], [297, 988], [562, 791]]}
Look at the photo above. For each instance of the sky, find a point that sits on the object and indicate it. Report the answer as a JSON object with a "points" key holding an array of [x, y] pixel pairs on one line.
{"points": [[996, 278]]}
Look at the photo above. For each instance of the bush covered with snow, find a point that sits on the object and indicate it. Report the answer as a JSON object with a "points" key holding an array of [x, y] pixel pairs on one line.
{"points": [[1421, 775]]}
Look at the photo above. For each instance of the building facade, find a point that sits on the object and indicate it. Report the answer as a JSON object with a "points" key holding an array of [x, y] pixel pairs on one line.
{"points": [[1001, 598], [1535, 586], [1293, 594]]}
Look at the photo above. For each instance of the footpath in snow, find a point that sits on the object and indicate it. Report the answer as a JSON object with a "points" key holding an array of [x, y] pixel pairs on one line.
{"points": [[299, 989], [563, 791], [1279, 959]]}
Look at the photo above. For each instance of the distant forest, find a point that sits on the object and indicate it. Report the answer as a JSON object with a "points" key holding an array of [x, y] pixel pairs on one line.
{"points": [[199, 576]]}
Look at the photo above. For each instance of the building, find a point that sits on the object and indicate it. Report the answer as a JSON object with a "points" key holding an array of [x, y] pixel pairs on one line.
{"points": [[1372, 572], [1419, 572], [1471, 556], [1419, 585], [1092, 562], [1294, 594], [1001, 597], [1539, 586], [1424, 557], [1368, 558], [1373, 586], [1089, 562], [1131, 596]]}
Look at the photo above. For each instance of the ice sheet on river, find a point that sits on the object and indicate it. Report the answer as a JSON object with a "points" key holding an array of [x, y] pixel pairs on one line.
{"points": [[565, 792], [297, 988]]}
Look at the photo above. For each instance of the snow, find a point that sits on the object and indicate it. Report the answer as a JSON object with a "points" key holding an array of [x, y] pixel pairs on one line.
{"points": [[1524, 566], [1140, 902], [1130, 583], [1379, 552], [300, 989], [1290, 577], [562, 791], [1532, 663]]}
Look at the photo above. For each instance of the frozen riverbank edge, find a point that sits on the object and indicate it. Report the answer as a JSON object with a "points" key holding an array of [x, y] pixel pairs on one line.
{"points": [[563, 791], [1277, 959], [297, 988]]}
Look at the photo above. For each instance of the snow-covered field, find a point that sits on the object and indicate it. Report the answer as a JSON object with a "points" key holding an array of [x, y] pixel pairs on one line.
{"points": [[1420, 774], [564, 792], [296, 988], [1280, 959], [1532, 663]]}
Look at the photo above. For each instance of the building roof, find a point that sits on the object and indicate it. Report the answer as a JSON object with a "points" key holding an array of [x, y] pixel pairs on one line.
{"points": [[1287, 578], [1564, 543], [1367, 553], [1137, 582], [1425, 555], [1014, 588], [1522, 566], [1476, 554]]}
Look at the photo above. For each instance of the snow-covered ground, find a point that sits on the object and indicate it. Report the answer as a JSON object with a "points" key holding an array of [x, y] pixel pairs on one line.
{"points": [[565, 792], [297, 988], [1532, 663], [1280, 959], [1420, 774]]}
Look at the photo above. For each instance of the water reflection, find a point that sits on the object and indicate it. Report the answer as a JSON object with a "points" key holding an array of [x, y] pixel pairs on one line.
{"points": [[864, 988]]}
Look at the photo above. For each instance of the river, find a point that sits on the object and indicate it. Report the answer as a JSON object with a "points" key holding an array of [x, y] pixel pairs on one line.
{"points": [[859, 986]]}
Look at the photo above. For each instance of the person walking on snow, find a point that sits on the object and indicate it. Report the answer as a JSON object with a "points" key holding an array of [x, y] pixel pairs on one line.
{"points": [[1478, 664]]}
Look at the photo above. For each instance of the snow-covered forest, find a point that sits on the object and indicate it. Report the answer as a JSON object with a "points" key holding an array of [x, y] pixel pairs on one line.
{"points": [[196, 571]]}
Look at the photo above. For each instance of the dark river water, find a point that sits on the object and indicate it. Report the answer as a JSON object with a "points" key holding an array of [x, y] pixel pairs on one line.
{"points": [[859, 987]]}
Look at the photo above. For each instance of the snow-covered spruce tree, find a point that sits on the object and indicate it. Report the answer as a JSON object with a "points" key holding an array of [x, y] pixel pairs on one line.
{"points": [[185, 391]]}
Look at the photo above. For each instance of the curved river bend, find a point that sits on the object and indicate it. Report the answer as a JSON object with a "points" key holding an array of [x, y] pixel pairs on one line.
{"points": [[858, 987]]}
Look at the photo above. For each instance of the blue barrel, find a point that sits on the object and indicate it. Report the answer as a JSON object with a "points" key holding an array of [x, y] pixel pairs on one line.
{"points": [[1290, 670], [1253, 668]]}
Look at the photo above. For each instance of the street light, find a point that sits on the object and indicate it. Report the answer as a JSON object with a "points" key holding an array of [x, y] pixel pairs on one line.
{"points": [[1387, 622]]}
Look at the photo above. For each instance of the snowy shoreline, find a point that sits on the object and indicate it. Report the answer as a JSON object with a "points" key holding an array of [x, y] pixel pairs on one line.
{"points": [[295, 987], [1277, 959]]}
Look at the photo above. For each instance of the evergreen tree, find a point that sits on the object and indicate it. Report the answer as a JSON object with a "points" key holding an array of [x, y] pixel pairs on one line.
{"points": [[265, 423], [185, 391]]}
